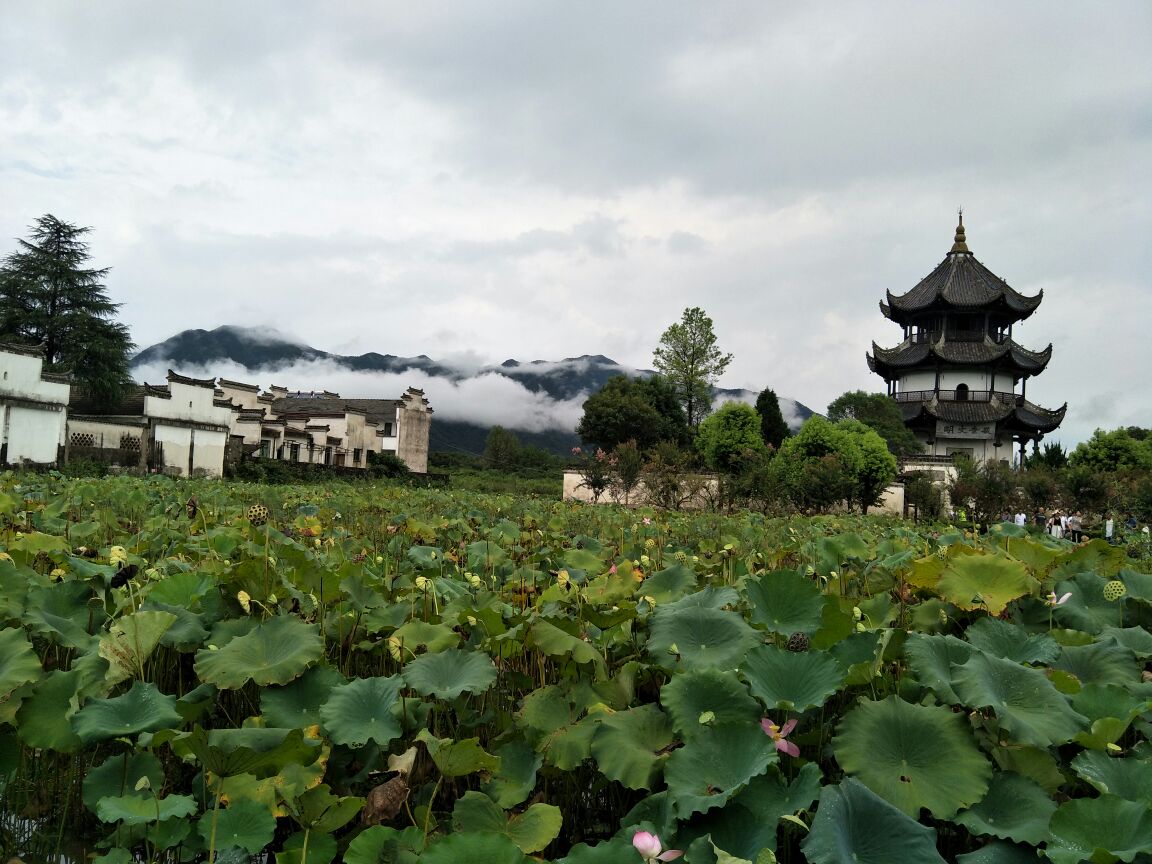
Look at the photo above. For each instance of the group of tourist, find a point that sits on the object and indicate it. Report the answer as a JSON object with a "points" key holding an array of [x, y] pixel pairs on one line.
{"points": [[1070, 526]]}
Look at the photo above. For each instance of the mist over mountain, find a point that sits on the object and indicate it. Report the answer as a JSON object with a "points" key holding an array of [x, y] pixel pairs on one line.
{"points": [[542, 400]]}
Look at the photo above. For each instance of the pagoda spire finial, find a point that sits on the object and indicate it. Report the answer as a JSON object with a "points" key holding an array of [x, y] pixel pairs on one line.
{"points": [[958, 244]]}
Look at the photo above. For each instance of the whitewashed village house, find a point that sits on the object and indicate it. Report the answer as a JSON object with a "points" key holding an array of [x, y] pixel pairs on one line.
{"points": [[34, 404], [190, 426]]}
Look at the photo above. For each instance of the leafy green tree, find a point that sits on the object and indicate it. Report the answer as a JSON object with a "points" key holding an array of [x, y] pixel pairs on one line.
{"points": [[773, 429], [826, 463], [690, 359], [628, 463], [728, 438], [1112, 451], [984, 489], [501, 448], [879, 412], [48, 297], [644, 410], [1052, 457]]}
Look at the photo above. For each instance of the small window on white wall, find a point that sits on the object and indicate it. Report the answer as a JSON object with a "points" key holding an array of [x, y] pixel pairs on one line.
{"points": [[961, 392]]}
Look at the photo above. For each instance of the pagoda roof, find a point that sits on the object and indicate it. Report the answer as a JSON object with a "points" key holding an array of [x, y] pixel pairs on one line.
{"points": [[893, 361], [1018, 414], [960, 282]]}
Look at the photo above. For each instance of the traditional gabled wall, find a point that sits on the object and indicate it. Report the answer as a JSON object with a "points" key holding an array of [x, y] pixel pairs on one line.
{"points": [[33, 408]]}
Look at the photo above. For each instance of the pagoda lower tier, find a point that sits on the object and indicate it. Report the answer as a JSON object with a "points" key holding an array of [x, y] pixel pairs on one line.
{"points": [[982, 425]]}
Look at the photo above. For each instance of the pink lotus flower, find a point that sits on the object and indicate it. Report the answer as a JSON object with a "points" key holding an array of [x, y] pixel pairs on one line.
{"points": [[612, 569], [778, 734], [648, 845], [1052, 600], [647, 521]]}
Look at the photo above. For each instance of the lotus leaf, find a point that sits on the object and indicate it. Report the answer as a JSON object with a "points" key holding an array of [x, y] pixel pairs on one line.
{"points": [[247, 825], [932, 658], [361, 711], [478, 846], [307, 847], [61, 612], [458, 758], [1024, 700], [716, 696], [183, 590], [913, 756], [318, 810], [18, 662], [627, 745], [432, 637], [297, 704], [449, 673], [998, 852], [712, 767], [1087, 610], [517, 775], [1093, 828], [130, 641], [698, 637], [854, 824], [786, 602], [986, 582], [118, 775], [134, 809], [556, 642], [669, 584], [1136, 639], [790, 680], [43, 718], [277, 651], [142, 709], [1129, 778], [1011, 642], [609, 852], [382, 845], [531, 830], [250, 750], [1015, 808], [1099, 663]]}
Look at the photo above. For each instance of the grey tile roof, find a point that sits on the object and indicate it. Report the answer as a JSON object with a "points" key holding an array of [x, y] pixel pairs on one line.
{"points": [[960, 282]]}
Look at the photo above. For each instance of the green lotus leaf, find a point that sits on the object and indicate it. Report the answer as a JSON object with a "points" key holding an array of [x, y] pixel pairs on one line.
{"points": [[1110, 708], [318, 810], [913, 756], [791, 680], [250, 750], [432, 637], [142, 709], [474, 846], [297, 704], [119, 855], [61, 612], [18, 662], [187, 632], [1099, 663], [862, 654], [449, 673], [183, 590], [308, 847], [1127, 778], [609, 852], [1094, 828], [748, 823], [1087, 610], [458, 758], [697, 698], [361, 711], [854, 824], [383, 845], [697, 637], [245, 824], [708, 598], [277, 651], [551, 720], [669, 584], [118, 775], [1024, 700], [130, 642], [43, 718], [998, 852], [136, 809], [1015, 808], [986, 582], [932, 658], [1011, 642], [426, 557], [785, 602], [712, 767], [517, 775], [555, 642], [1136, 639], [531, 830], [1094, 557], [627, 746]]}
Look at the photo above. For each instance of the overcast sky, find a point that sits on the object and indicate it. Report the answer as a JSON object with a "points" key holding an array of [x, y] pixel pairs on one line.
{"points": [[541, 180]]}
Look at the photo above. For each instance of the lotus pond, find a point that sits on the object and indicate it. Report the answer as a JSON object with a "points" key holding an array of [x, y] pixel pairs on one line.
{"points": [[198, 671]]}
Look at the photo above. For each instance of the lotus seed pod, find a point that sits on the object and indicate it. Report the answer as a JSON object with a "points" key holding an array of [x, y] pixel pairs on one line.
{"points": [[1114, 590], [257, 514], [798, 642]]}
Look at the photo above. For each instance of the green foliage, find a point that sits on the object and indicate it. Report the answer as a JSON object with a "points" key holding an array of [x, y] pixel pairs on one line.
{"points": [[1112, 451], [48, 297], [773, 429], [881, 414], [826, 464], [644, 410], [501, 448], [730, 437], [690, 359]]}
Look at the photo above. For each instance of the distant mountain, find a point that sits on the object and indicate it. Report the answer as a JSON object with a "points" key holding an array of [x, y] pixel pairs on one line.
{"points": [[264, 352]]}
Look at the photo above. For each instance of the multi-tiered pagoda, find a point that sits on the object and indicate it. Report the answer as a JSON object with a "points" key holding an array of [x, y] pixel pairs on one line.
{"points": [[955, 375]]}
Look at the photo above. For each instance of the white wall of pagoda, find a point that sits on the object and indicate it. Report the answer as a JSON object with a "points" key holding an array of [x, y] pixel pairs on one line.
{"points": [[974, 379]]}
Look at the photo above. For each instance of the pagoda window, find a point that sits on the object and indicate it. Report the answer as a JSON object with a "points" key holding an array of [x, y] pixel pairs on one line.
{"points": [[961, 392]]}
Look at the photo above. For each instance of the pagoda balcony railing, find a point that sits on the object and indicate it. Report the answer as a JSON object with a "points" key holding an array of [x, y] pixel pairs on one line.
{"points": [[958, 396], [957, 336]]}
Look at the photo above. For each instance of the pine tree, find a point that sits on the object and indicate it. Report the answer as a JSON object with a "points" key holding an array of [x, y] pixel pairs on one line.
{"points": [[690, 360], [49, 298], [772, 425]]}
